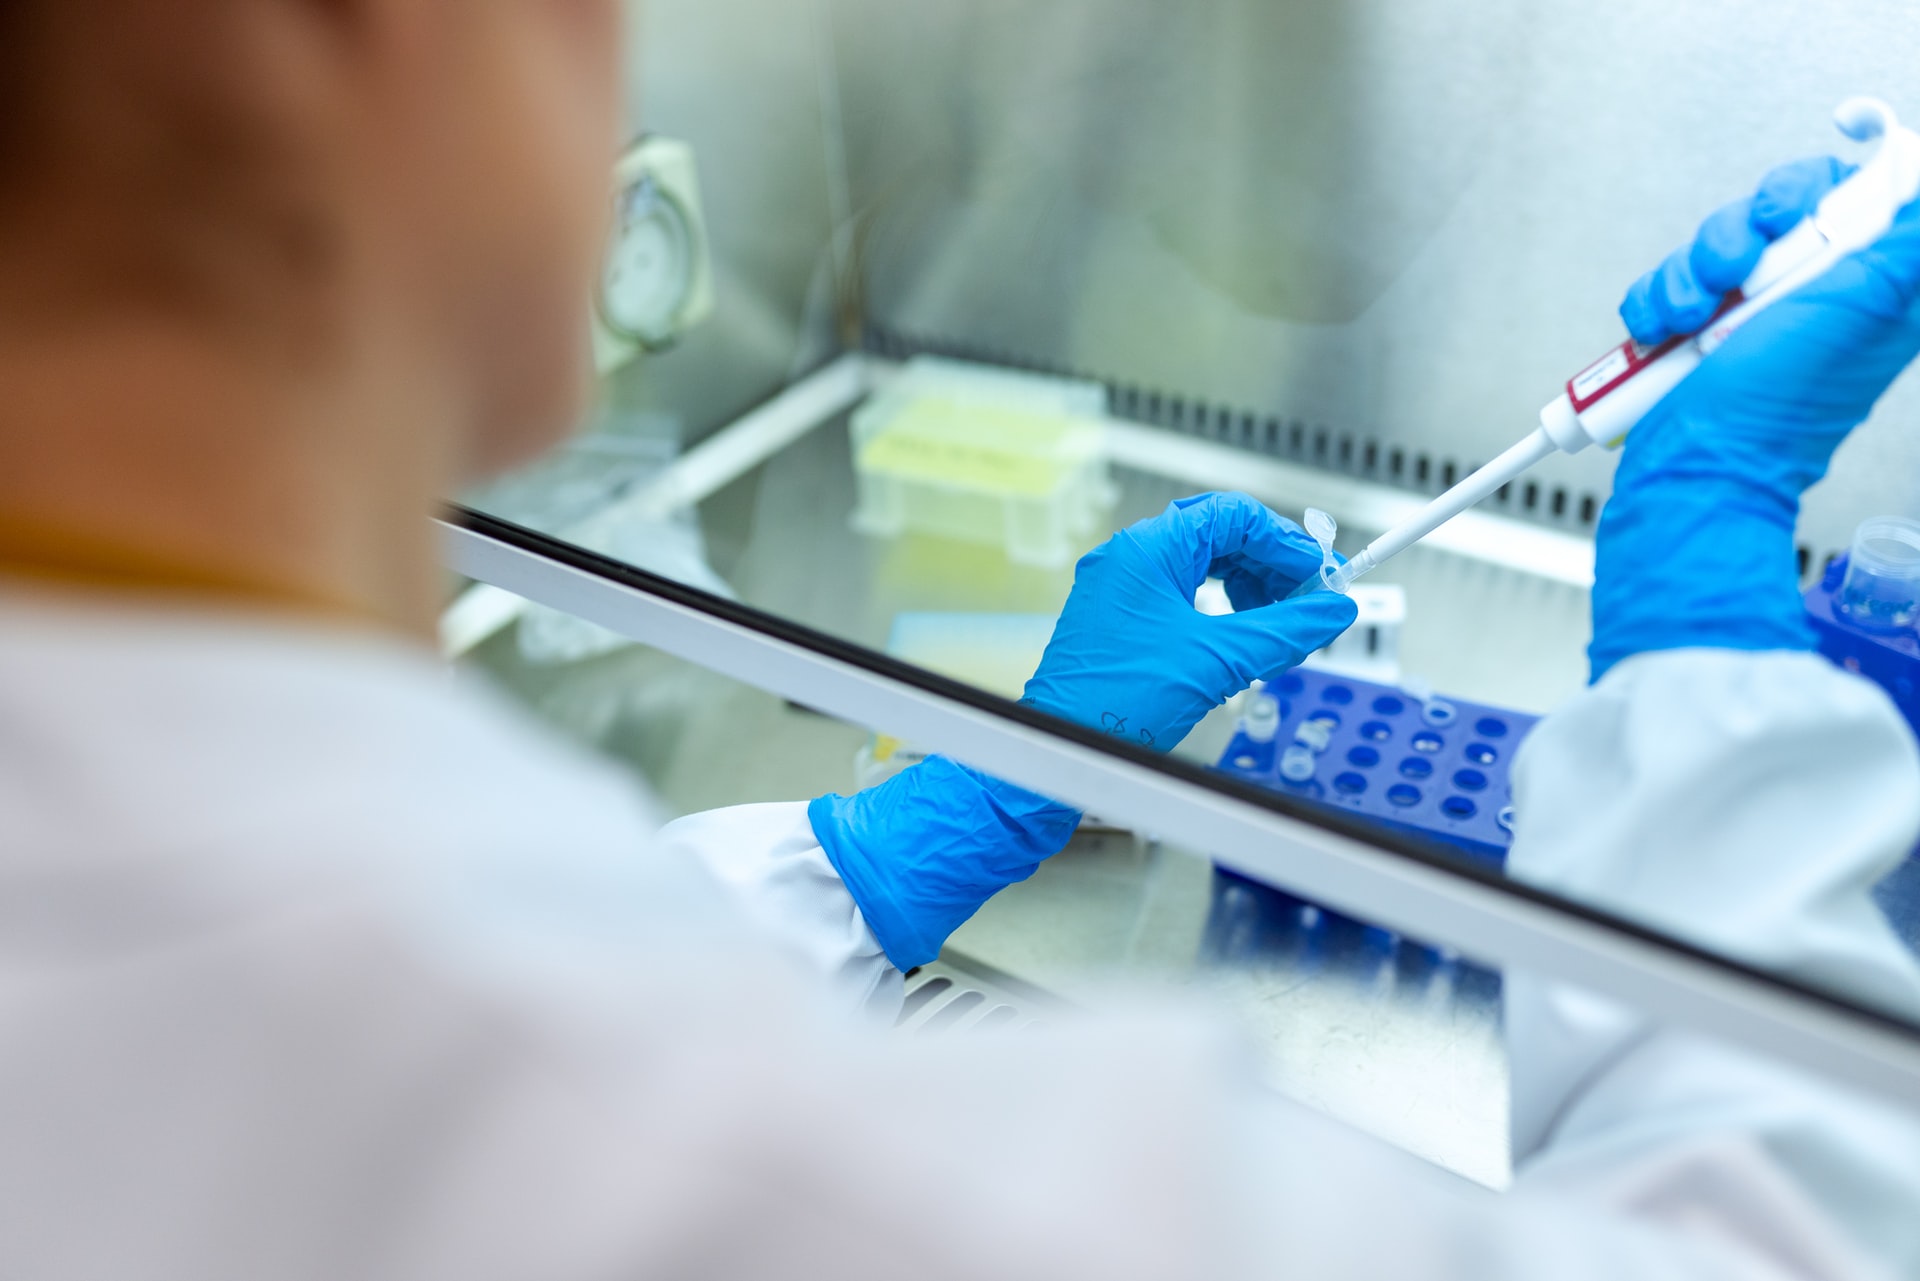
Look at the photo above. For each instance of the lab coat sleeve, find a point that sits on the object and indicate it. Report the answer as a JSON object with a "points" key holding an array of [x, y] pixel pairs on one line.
{"points": [[773, 867], [1746, 803]]}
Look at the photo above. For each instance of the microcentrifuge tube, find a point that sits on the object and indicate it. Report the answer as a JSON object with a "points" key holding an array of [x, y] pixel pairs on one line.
{"points": [[1260, 717], [1314, 735], [1433, 709], [1323, 528], [1297, 763]]}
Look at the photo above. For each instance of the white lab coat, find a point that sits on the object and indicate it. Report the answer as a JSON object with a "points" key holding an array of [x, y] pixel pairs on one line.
{"points": [[318, 962]]}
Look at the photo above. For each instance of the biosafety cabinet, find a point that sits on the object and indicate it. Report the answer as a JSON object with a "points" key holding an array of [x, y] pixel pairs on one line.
{"points": [[910, 305]]}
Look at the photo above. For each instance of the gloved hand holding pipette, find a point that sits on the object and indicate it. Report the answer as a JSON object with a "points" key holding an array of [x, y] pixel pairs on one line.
{"points": [[1759, 263], [1696, 546]]}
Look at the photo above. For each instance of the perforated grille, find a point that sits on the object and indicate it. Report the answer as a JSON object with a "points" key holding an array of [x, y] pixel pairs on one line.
{"points": [[948, 996]]}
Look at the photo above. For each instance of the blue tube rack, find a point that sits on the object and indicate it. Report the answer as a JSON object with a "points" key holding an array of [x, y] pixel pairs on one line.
{"points": [[1373, 739], [1444, 777], [1389, 760], [1891, 660]]}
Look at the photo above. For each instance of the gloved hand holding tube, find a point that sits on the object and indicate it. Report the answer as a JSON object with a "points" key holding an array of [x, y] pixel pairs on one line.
{"points": [[1131, 657], [1696, 546]]}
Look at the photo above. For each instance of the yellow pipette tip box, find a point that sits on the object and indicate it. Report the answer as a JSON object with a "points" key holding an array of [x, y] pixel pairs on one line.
{"points": [[983, 455]]}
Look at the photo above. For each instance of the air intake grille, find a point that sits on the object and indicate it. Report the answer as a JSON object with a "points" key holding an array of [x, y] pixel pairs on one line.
{"points": [[949, 996]]}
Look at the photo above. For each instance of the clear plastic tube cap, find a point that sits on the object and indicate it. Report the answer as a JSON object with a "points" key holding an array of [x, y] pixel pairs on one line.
{"points": [[1261, 719], [1315, 736], [1881, 591], [1297, 764], [1323, 528]]}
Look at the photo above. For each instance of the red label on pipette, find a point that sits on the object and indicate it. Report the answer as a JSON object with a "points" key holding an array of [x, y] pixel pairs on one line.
{"points": [[1594, 383], [1591, 385]]}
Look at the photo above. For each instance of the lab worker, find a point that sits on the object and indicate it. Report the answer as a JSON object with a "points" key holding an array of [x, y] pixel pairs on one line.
{"points": [[317, 960]]}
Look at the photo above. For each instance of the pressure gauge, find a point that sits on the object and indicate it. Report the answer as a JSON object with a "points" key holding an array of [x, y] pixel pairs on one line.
{"points": [[649, 272], [657, 281]]}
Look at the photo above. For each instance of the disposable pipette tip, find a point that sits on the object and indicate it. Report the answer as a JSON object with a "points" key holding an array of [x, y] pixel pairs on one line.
{"points": [[1537, 445], [1340, 577]]}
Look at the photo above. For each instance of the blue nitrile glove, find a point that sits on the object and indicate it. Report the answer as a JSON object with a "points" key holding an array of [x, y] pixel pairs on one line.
{"points": [[1131, 655], [1696, 546], [922, 851]]}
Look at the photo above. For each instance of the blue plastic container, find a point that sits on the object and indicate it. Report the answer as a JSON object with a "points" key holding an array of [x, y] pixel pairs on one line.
{"points": [[1890, 660]]}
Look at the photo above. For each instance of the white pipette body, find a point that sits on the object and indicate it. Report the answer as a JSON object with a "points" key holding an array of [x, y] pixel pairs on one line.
{"points": [[1607, 399]]}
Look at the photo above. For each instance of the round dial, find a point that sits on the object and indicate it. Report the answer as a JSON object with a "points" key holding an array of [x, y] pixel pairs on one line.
{"points": [[650, 266]]}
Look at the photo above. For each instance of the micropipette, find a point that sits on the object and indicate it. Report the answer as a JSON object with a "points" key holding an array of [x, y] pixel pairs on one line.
{"points": [[1604, 401]]}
